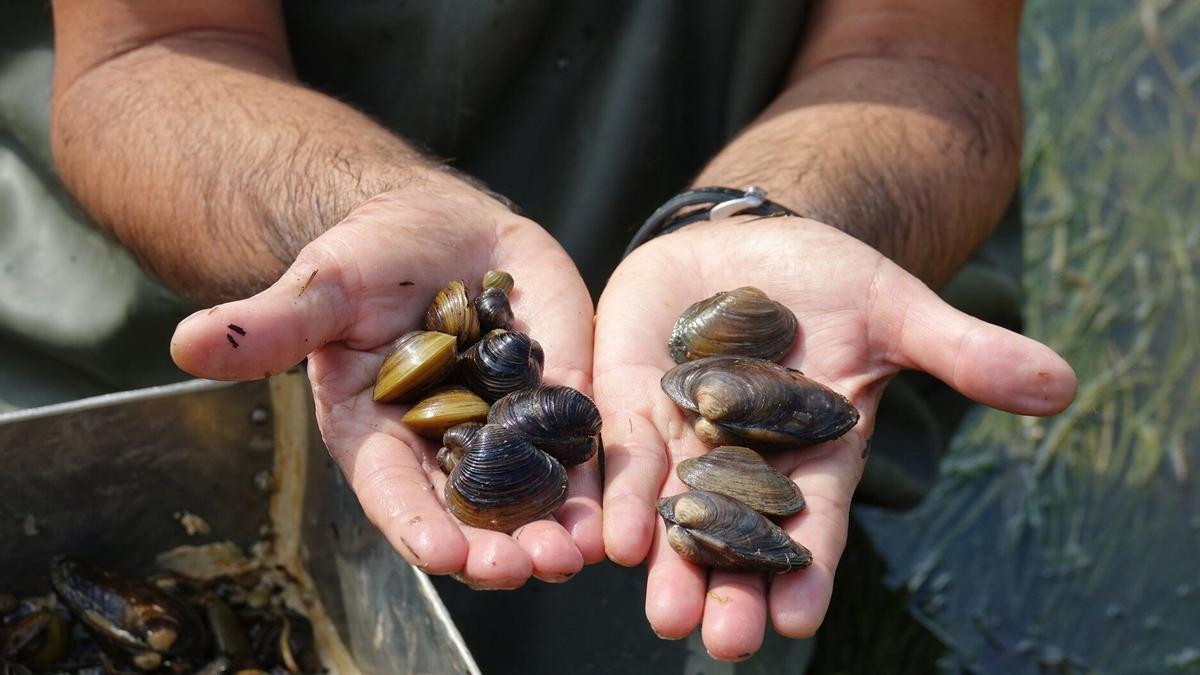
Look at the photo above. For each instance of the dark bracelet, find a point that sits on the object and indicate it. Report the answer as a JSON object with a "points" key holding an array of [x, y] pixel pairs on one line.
{"points": [[725, 202]]}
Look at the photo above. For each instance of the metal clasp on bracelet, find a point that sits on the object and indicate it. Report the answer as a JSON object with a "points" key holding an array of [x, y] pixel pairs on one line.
{"points": [[752, 199]]}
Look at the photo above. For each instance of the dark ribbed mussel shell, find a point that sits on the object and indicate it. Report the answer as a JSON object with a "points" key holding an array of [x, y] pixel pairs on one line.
{"points": [[559, 420], [452, 312], [493, 310], [503, 482], [454, 444], [711, 529], [744, 475], [129, 612], [500, 363], [741, 322], [753, 402]]}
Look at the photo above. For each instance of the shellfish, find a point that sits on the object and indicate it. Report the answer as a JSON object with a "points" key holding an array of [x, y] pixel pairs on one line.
{"points": [[453, 313], [444, 408], [741, 322], [501, 363], [559, 420], [129, 612], [493, 310], [743, 401], [498, 279], [416, 362], [711, 529], [503, 482], [744, 475], [454, 443]]}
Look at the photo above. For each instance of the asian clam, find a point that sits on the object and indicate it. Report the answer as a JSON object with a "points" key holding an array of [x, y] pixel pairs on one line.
{"points": [[728, 378], [476, 385]]}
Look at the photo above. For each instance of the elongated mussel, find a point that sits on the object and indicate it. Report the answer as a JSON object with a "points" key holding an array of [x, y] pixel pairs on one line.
{"points": [[711, 529], [501, 363], [744, 475], [452, 312], [559, 420], [417, 361], [502, 481], [741, 322], [454, 444], [494, 310], [443, 408], [753, 402], [129, 612]]}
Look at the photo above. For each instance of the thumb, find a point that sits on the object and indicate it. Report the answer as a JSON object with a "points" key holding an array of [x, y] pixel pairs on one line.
{"points": [[984, 362], [269, 332]]}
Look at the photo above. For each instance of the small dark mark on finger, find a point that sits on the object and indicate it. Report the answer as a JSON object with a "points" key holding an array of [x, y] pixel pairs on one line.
{"points": [[745, 655], [306, 283], [214, 310], [237, 329], [231, 340], [414, 520], [410, 548], [407, 283]]}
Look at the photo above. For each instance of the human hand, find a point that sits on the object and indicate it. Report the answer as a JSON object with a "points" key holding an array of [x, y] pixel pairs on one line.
{"points": [[862, 319], [347, 296]]}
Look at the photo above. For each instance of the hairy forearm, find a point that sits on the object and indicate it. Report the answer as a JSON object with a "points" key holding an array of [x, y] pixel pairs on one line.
{"points": [[916, 157], [213, 165]]}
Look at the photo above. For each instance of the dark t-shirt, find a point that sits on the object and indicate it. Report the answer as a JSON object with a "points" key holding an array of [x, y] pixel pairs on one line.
{"points": [[588, 115]]}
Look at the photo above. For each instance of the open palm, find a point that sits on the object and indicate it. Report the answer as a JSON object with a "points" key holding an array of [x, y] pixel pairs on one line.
{"points": [[346, 297], [862, 319]]}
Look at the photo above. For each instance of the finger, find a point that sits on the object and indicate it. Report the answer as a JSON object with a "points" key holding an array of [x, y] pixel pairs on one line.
{"points": [[735, 615], [799, 599], [550, 549], [267, 333], [674, 590], [636, 465], [398, 498], [581, 515], [496, 561], [989, 364]]}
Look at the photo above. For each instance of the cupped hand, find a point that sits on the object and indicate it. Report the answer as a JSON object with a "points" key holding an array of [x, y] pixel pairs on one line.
{"points": [[346, 297], [862, 319]]}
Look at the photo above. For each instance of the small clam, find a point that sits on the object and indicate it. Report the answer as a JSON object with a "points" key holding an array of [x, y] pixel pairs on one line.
{"points": [[741, 322], [502, 363], [503, 482], [744, 475], [717, 531], [129, 612], [753, 402], [558, 420], [498, 279], [454, 444], [493, 309], [453, 313], [417, 361], [443, 408], [38, 638]]}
